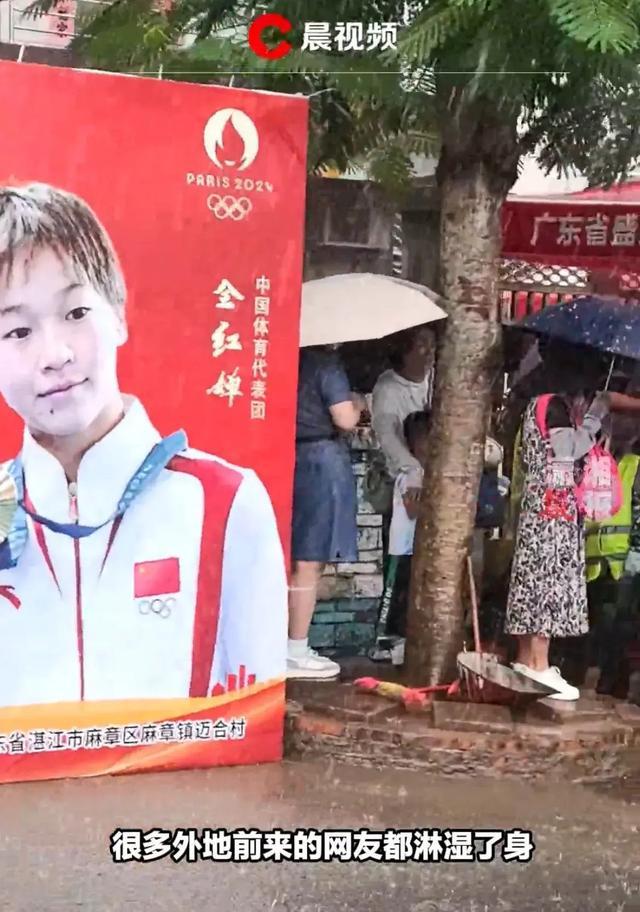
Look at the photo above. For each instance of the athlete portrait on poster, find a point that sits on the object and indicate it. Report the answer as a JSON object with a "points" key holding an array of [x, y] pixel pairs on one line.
{"points": [[131, 566]]}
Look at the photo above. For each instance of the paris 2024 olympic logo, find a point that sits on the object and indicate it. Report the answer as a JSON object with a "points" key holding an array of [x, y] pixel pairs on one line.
{"points": [[232, 143]]}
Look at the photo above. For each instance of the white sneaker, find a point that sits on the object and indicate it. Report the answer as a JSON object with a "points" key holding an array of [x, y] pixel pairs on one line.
{"points": [[311, 665], [551, 677]]}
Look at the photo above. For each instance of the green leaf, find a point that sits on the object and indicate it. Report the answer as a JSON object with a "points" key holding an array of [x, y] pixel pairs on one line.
{"points": [[604, 25], [433, 28], [391, 167]]}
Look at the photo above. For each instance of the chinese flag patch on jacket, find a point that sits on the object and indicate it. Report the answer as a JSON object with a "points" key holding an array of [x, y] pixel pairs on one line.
{"points": [[159, 577]]}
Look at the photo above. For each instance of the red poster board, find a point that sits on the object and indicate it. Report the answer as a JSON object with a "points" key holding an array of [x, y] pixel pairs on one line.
{"points": [[202, 191]]}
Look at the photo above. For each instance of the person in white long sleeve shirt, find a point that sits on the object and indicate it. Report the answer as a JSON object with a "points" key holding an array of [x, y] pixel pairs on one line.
{"points": [[129, 584], [400, 392]]}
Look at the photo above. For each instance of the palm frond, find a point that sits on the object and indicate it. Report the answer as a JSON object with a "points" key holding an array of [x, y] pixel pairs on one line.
{"points": [[391, 167], [434, 27], [213, 16], [128, 35], [604, 25]]}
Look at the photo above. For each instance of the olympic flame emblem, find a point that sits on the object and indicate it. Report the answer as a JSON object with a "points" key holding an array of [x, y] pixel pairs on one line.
{"points": [[231, 139]]}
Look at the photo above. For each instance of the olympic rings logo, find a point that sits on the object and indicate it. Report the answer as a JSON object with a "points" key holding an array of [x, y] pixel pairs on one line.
{"points": [[229, 207], [160, 607]]}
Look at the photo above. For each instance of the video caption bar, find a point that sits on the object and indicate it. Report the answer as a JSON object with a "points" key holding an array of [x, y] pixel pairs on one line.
{"points": [[387, 846]]}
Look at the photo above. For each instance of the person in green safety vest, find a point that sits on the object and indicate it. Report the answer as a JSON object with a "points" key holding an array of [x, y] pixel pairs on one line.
{"points": [[607, 542], [614, 546]]}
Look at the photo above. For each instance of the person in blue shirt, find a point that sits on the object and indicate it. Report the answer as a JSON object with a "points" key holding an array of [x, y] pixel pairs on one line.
{"points": [[324, 498]]}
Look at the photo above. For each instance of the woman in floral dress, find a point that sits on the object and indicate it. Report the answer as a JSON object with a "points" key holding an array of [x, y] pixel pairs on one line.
{"points": [[548, 592]]}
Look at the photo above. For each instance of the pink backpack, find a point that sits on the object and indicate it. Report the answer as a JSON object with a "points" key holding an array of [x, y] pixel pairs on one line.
{"points": [[599, 493]]}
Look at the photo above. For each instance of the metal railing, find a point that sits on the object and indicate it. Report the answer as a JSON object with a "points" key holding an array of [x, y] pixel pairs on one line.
{"points": [[526, 288]]}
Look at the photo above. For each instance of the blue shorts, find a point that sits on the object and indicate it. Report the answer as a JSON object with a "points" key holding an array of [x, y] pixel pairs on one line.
{"points": [[324, 504]]}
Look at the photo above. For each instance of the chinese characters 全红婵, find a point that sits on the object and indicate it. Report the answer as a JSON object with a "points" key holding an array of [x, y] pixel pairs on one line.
{"points": [[225, 339], [229, 382]]}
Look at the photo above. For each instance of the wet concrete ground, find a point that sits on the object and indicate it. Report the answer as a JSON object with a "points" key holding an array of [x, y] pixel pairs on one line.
{"points": [[54, 853]]}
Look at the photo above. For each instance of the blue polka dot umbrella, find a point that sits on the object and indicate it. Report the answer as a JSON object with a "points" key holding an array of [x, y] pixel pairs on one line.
{"points": [[605, 324]]}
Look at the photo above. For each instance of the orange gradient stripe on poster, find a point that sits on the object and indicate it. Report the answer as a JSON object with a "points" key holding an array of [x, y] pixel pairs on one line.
{"points": [[260, 706]]}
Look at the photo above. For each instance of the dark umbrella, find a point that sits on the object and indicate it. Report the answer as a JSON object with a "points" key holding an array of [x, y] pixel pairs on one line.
{"points": [[605, 324]]}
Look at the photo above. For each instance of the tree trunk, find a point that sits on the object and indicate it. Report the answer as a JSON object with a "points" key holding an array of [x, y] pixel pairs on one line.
{"points": [[477, 166]]}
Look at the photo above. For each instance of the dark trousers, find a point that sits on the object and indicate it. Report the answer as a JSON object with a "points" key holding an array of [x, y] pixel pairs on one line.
{"points": [[617, 629], [397, 618]]}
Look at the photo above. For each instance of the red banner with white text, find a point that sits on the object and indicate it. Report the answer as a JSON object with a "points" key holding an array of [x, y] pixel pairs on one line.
{"points": [[584, 233]]}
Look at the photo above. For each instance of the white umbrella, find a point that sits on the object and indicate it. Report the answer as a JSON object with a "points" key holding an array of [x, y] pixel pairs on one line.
{"points": [[361, 306]]}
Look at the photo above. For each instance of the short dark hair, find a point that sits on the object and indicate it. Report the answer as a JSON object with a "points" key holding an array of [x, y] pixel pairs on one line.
{"points": [[415, 425], [400, 345], [572, 369], [40, 216]]}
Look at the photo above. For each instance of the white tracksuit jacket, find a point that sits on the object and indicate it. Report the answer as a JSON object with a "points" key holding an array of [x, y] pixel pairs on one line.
{"points": [[200, 545]]}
